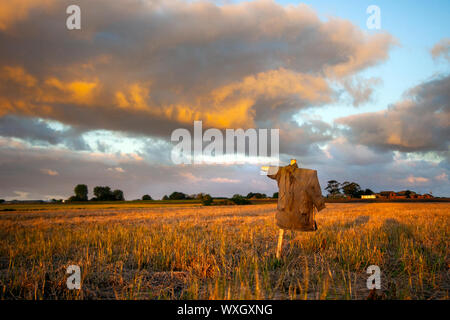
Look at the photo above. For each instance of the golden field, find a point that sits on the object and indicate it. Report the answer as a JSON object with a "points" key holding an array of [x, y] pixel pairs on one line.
{"points": [[224, 252]]}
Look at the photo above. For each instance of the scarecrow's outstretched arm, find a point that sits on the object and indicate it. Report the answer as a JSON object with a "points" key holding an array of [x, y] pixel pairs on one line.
{"points": [[315, 192], [271, 171]]}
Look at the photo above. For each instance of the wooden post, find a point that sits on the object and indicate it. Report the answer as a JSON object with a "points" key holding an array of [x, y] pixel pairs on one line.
{"points": [[280, 243]]}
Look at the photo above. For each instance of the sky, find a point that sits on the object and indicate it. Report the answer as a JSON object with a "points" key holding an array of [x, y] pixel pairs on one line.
{"points": [[99, 105]]}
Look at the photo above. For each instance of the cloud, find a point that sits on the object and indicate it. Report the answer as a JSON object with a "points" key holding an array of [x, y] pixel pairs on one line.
{"points": [[441, 50], [116, 169], [17, 169], [224, 180], [361, 90], [193, 178], [358, 163], [343, 151], [416, 180], [442, 177], [419, 123], [21, 195], [13, 12], [303, 139], [378, 171], [189, 176], [49, 172], [39, 132], [148, 67]]}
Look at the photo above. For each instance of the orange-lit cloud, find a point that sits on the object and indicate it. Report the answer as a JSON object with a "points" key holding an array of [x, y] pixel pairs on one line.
{"points": [[158, 67], [50, 172], [18, 75], [18, 10], [78, 92]]}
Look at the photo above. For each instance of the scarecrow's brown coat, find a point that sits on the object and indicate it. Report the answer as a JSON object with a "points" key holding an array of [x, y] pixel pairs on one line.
{"points": [[299, 192]]}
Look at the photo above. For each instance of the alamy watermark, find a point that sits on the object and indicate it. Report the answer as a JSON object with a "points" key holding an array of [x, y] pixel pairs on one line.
{"points": [[374, 280], [73, 21], [374, 20], [74, 280], [235, 147]]}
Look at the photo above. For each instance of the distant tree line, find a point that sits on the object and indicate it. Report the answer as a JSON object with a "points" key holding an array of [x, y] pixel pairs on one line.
{"points": [[352, 189], [101, 193], [176, 195], [257, 195], [206, 199], [105, 193]]}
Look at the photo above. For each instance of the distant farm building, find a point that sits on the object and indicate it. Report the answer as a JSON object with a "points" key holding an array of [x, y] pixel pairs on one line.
{"points": [[391, 195], [387, 194], [368, 196]]}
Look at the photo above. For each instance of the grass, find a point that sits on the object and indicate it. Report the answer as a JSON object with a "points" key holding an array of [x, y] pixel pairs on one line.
{"points": [[224, 252]]}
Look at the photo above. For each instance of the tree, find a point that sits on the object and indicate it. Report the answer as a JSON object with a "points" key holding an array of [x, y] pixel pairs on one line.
{"points": [[165, 197], [368, 192], [117, 195], [103, 193], [256, 195], [146, 197], [2, 200], [333, 187], [199, 196], [238, 199], [72, 198], [351, 189], [177, 196], [81, 192], [207, 200], [275, 195]]}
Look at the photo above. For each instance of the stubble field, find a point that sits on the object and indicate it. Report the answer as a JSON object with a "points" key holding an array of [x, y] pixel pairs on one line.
{"points": [[225, 252]]}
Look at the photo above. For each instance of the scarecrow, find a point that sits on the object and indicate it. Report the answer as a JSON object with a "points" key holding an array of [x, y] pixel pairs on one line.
{"points": [[299, 194]]}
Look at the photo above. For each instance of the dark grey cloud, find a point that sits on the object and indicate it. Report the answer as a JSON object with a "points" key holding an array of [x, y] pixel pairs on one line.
{"points": [[38, 131], [356, 155], [343, 160], [24, 171], [419, 123], [301, 140]]}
